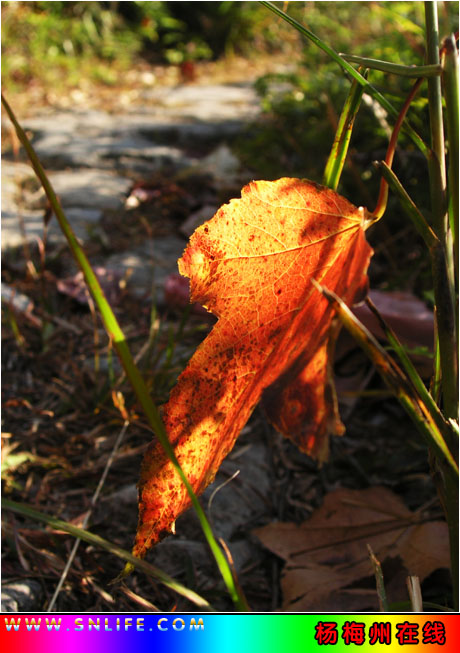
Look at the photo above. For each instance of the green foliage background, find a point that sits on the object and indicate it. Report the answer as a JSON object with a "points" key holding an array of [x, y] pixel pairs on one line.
{"points": [[61, 45]]}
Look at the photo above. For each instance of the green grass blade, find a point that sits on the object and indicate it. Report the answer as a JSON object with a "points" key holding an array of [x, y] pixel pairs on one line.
{"points": [[445, 288], [336, 160], [444, 427], [96, 540], [368, 88], [117, 336], [395, 379], [451, 96], [445, 362], [433, 244], [394, 68], [409, 206]]}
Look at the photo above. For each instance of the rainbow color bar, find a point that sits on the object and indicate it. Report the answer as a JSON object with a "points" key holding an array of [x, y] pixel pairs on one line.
{"points": [[228, 633]]}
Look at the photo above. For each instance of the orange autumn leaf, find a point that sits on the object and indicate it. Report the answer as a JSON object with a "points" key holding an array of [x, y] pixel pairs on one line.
{"points": [[251, 265]]}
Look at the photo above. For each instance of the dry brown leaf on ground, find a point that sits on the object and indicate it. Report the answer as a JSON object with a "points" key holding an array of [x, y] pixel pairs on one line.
{"points": [[327, 561]]}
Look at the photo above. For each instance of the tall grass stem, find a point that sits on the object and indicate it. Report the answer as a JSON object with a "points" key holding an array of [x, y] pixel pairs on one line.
{"points": [[132, 372], [445, 287], [97, 541], [339, 150], [348, 68]]}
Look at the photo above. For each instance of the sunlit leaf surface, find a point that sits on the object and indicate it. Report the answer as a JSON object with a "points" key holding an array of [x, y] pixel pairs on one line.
{"points": [[251, 265]]}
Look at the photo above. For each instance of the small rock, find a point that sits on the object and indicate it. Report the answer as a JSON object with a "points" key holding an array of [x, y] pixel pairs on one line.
{"points": [[208, 102], [221, 162], [83, 222], [151, 263], [232, 511], [232, 505], [198, 218], [21, 596], [94, 189], [125, 496], [17, 300], [11, 232], [148, 78]]}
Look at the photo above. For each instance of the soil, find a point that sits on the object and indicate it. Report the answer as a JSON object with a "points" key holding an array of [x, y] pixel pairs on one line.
{"points": [[60, 422]]}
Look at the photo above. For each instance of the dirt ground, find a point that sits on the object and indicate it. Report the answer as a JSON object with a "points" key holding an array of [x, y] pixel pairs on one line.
{"points": [[60, 425]]}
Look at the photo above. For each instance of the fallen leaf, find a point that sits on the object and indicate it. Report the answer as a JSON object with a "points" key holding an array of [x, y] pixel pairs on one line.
{"points": [[413, 324], [75, 286], [327, 561], [251, 265], [407, 315]]}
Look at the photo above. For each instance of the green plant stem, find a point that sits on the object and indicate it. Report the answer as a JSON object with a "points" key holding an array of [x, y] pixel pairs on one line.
{"points": [[117, 337], [419, 222], [445, 287], [368, 88], [444, 307], [395, 68], [437, 168], [447, 486], [395, 379], [95, 540], [443, 426], [451, 95], [446, 330], [446, 465], [336, 160]]}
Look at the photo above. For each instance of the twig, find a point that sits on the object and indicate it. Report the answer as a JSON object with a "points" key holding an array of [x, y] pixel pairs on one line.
{"points": [[383, 195], [140, 600], [383, 602], [415, 593], [88, 514]]}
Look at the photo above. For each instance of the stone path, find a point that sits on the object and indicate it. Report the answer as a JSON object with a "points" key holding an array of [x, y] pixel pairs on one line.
{"points": [[93, 156]]}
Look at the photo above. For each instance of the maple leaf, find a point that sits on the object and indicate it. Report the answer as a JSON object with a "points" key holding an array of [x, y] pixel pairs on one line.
{"points": [[251, 265]]}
